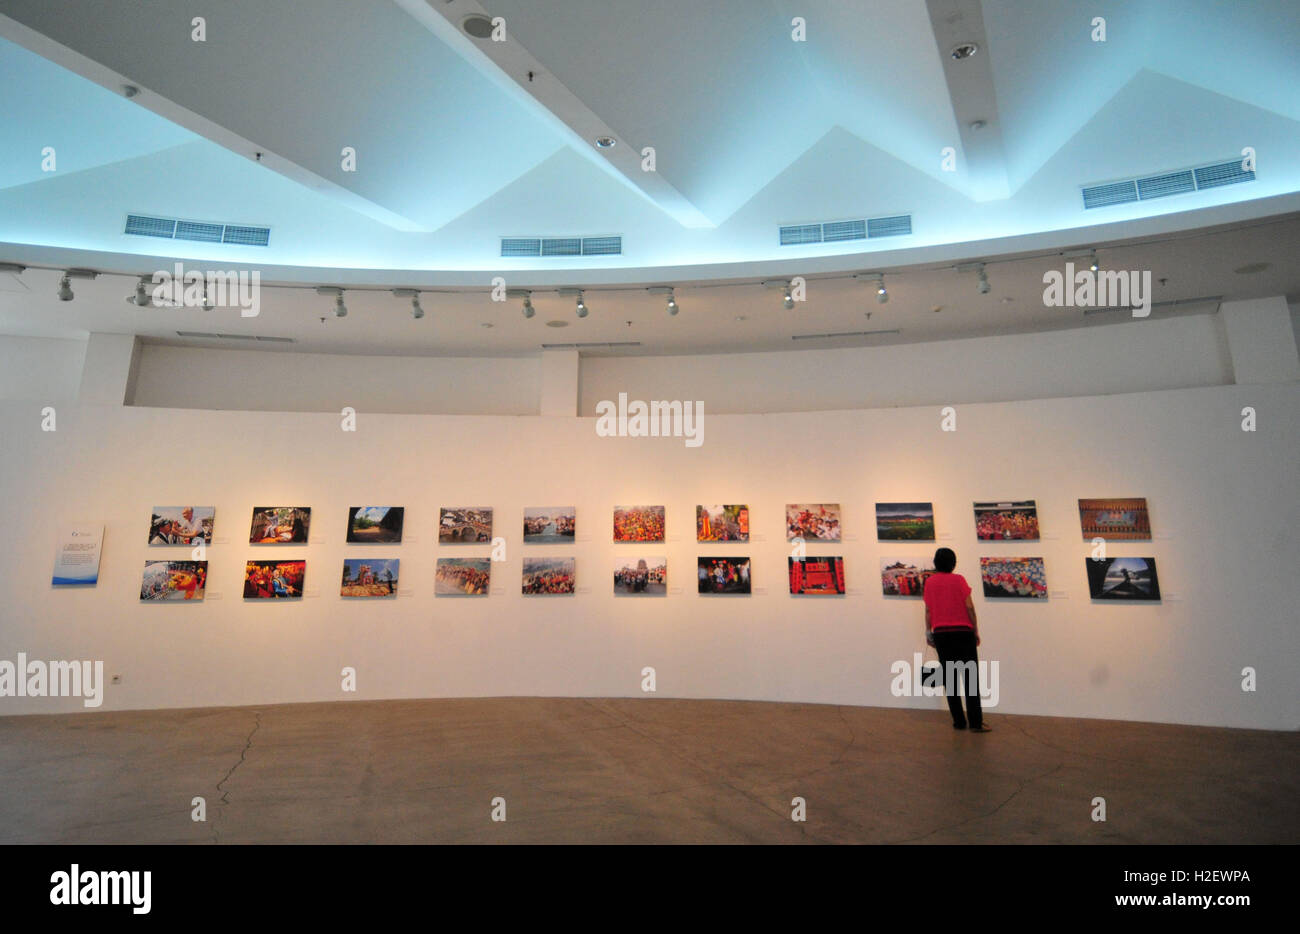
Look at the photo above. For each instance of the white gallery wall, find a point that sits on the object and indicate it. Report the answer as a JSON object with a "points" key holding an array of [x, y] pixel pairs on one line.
{"points": [[40, 369], [1224, 510]]}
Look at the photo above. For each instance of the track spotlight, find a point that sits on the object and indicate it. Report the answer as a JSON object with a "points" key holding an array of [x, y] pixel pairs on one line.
{"points": [[65, 289], [340, 309], [208, 304], [1094, 265], [882, 294], [142, 296], [984, 287], [416, 311], [672, 303], [788, 299], [529, 311], [582, 306]]}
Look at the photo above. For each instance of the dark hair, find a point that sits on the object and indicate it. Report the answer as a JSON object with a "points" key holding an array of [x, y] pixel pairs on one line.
{"points": [[945, 559]]}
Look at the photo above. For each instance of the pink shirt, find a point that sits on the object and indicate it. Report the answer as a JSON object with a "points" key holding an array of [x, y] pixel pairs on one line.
{"points": [[945, 595]]}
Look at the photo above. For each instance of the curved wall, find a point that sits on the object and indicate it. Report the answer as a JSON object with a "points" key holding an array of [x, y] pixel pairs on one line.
{"points": [[1224, 515]]}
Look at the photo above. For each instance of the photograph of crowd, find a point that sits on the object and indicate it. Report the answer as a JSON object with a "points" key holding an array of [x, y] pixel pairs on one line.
{"points": [[1115, 519], [722, 523], [904, 577], [812, 522], [463, 577], [1006, 522], [816, 575], [462, 526], [280, 525], [723, 575], [647, 576], [638, 523], [905, 522], [369, 524], [369, 577], [548, 576], [1022, 578], [1123, 579], [173, 580], [274, 580], [549, 525], [181, 525]]}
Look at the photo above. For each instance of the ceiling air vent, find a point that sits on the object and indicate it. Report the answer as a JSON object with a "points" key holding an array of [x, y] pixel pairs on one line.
{"points": [[587, 345], [561, 246], [236, 337], [1166, 184], [840, 231], [842, 334], [169, 228]]}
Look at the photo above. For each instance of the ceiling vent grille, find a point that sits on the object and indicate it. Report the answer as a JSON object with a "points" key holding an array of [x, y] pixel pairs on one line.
{"points": [[840, 231], [236, 337], [1166, 184], [168, 228], [561, 246], [588, 345], [890, 226]]}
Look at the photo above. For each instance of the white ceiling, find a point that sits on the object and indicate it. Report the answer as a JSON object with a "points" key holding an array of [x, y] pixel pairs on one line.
{"points": [[456, 146]]}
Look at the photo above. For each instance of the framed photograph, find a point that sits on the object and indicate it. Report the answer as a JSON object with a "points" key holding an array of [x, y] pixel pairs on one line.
{"points": [[1115, 519], [813, 522], [641, 577], [375, 524], [719, 574], [904, 577], [905, 522], [548, 576], [722, 523], [549, 525], [816, 575], [182, 525], [173, 580], [1014, 578], [274, 580], [465, 525], [369, 577], [638, 523], [1123, 579], [1015, 521], [463, 577], [280, 525]]}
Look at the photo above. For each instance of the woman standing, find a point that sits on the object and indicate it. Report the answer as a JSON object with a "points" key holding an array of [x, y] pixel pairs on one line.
{"points": [[951, 627]]}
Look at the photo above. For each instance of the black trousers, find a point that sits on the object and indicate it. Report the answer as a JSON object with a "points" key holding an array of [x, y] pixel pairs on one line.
{"points": [[956, 647]]}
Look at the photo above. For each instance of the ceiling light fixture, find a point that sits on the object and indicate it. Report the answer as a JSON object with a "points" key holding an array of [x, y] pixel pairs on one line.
{"points": [[414, 295], [963, 51], [670, 298], [65, 282], [477, 25], [340, 309], [605, 142], [142, 296]]}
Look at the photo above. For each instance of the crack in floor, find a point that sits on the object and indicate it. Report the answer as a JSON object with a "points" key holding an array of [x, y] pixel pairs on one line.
{"points": [[224, 802], [1024, 783]]}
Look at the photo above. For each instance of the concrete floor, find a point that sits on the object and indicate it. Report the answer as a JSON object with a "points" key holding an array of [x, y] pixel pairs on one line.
{"points": [[633, 771]]}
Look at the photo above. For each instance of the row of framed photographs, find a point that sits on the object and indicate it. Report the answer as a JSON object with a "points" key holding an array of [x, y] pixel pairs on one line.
{"points": [[1002, 577], [1124, 519]]}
